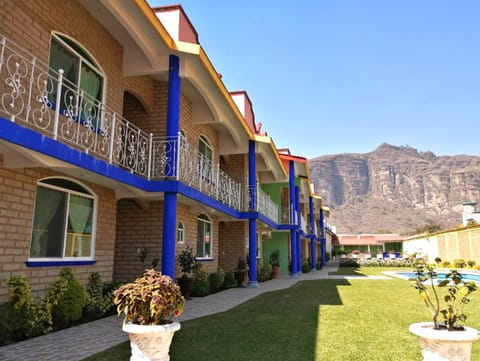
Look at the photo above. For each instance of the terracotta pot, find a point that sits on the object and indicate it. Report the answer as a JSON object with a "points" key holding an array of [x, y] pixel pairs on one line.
{"points": [[444, 345], [150, 343], [276, 271]]}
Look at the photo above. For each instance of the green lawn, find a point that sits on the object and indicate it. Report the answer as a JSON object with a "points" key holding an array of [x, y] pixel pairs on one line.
{"points": [[320, 320]]}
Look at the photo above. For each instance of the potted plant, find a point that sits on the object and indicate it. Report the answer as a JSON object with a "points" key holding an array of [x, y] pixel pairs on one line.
{"points": [[448, 339], [149, 304], [240, 271], [186, 259], [274, 260]]}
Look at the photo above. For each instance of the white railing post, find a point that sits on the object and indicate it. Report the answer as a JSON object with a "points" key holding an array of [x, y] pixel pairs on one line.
{"points": [[112, 140], [217, 183], [57, 103], [4, 42], [150, 158], [179, 145], [29, 100]]}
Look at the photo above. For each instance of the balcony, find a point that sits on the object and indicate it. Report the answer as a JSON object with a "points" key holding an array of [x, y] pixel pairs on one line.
{"points": [[30, 92]]}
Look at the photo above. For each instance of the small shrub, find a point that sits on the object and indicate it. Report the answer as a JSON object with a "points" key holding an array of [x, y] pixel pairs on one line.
{"points": [[69, 302], [438, 260], [459, 263], [215, 281], [22, 307], [318, 266], [351, 263], [471, 263], [477, 267], [7, 325], [264, 272], [107, 291], [97, 304], [306, 266], [229, 281], [446, 264], [200, 288], [199, 272]]}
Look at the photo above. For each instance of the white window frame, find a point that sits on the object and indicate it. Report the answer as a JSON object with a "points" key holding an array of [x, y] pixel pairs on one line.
{"points": [[85, 59], [181, 233], [85, 193], [204, 236]]}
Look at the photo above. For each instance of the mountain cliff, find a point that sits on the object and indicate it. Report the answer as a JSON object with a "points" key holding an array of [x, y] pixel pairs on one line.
{"points": [[395, 189]]}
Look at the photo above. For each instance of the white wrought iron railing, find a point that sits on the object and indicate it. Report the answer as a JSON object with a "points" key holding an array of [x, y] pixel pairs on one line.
{"points": [[40, 98], [266, 206]]}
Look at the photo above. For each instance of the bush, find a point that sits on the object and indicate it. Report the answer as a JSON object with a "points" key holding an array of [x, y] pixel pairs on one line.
{"points": [[306, 266], [199, 272], [6, 324], [446, 264], [471, 263], [215, 281], [200, 288], [264, 272], [318, 266], [68, 298], [349, 263], [97, 303], [459, 263], [22, 308], [229, 281]]}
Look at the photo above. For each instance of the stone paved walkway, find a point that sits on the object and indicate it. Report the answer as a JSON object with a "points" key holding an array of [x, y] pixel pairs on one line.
{"points": [[77, 343]]}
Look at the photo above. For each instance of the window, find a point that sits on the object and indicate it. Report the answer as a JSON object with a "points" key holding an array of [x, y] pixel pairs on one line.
{"points": [[204, 237], [63, 222], [205, 158], [181, 233], [80, 72]]}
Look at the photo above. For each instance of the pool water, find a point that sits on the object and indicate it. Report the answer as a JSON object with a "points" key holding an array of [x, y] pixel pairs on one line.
{"points": [[466, 276]]}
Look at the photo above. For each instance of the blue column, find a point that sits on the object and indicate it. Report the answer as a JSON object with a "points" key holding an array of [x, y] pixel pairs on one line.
{"points": [[299, 227], [293, 232], [323, 245], [252, 221], [313, 252], [170, 202]]}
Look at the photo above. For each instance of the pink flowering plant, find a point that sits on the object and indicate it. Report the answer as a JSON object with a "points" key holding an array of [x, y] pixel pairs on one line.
{"points": [[153, 299], [457, 295]]}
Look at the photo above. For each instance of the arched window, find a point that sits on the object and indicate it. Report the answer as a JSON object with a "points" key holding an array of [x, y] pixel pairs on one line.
{"points": [[204, 237], [181, 233], [80, 72], [63, 221]]}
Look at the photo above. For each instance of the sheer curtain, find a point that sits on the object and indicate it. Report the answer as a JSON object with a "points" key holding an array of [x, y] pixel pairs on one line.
{"points": [[79, 215], [46, 206]]}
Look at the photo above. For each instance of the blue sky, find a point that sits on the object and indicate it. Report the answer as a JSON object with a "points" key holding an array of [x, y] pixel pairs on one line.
{"points": [[344, 76]]}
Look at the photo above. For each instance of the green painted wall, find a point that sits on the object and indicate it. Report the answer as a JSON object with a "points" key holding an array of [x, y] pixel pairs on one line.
{"points": [[279, 241]]}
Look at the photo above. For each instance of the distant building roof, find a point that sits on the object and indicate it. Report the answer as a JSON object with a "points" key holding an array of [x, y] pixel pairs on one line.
{"points": [[367, 239]]}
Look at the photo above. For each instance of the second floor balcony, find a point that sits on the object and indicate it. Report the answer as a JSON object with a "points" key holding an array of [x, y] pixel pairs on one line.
{"points": [[42, 99]]}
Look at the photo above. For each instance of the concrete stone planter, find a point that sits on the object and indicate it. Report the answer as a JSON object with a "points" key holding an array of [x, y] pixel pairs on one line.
{"points": [[443, 345], [150, 343]]}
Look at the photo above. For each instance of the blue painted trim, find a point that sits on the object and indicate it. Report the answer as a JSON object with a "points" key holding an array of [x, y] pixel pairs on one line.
{"points": [[169, 234], [173, 109], [293, 233], [252, 174], [59, 263], [252, 250], [313, 248], [299, 230]]}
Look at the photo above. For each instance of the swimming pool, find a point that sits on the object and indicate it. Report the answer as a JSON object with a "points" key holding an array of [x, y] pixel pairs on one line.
{"points": [[467, 275]]}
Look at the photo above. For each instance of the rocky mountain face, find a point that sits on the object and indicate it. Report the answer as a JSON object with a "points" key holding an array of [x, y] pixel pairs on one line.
{"points": [[395, 189]]}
